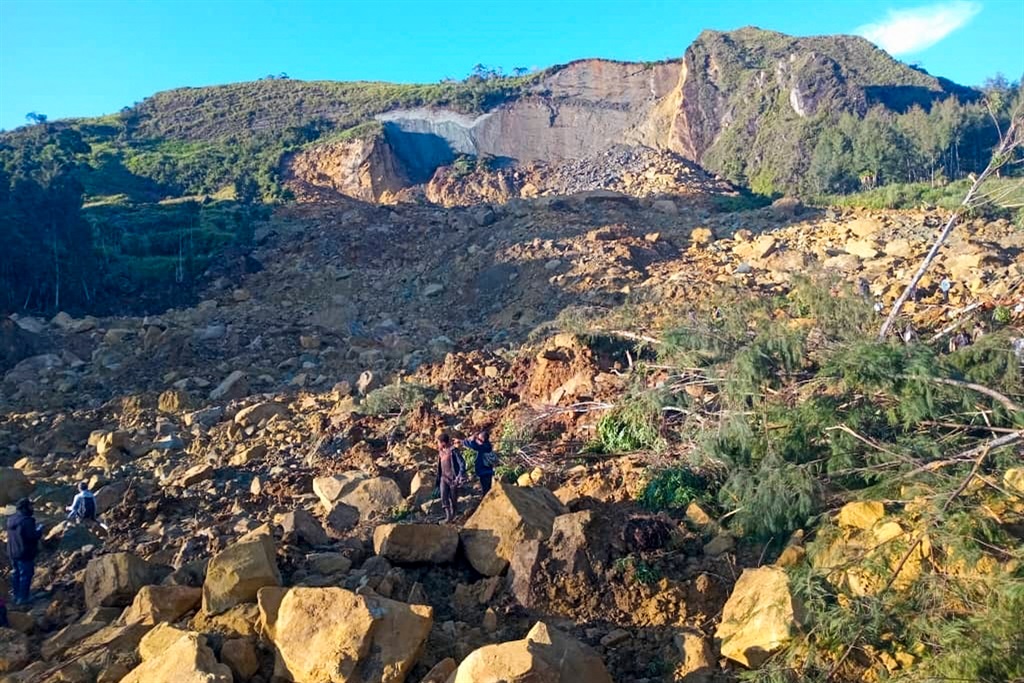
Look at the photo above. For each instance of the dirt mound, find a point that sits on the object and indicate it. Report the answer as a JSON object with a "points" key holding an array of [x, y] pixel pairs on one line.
{"points": [[633, 170]]}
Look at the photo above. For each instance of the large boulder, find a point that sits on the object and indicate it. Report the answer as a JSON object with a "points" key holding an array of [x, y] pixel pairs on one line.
{"points": [[233, 387], [173, 656], [507, 516], [113, 580], [299, 526], [255, 414], [173, 401], [14, 485], [110, 495], [413, 543], [546, 655], [758, 618], [331, 635], [374, 497], [115, 443], [235, 574], [59, 643], [17, 343], [15, 650], [155, 604], [580, 543], [116, 642]]}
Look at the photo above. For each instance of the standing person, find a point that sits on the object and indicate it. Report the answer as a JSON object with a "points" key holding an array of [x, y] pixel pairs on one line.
{"points": [[23, 536], [484, 464], [944, 287], [451, 469], [83, 507]]}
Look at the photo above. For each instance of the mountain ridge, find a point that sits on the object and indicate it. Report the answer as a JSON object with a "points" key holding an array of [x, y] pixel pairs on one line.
{"points": [[196, 140]]}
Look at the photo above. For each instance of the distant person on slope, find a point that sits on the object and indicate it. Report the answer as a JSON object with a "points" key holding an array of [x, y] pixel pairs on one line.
{"points": [[451, 471], [23, 536], [83, 507], [485, 459]]}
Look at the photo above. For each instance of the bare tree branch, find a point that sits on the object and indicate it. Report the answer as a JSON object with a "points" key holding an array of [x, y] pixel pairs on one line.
{"points": [[1006, 401], [1008, 144]]}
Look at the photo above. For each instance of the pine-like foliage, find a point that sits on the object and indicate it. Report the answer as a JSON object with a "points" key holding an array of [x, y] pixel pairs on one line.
{"points": [[809, 411]]}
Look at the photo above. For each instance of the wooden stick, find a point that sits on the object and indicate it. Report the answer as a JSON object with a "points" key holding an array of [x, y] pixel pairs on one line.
{"points": [[952, 326], [967, 455], [1007, 402]]}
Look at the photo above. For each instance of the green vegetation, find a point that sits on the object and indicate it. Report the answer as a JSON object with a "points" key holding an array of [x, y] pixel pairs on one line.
{"points": [[469, 456], [917, 195], [153, 252], [630, 426], [957, 620], [509, 472], [198, 141], [401, 512], [465, 164], [515, 437], [865, 119], [637, 570], [395, 399], [809, 411], [671, 488], [46, 261]]}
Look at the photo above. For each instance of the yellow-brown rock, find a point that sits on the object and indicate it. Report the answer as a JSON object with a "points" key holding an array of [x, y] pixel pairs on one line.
{"points": [[546, 655], [506, 516], [332, 635], [861, 514], [155, 604], [758, 618], [173, 656], [238, 572]]}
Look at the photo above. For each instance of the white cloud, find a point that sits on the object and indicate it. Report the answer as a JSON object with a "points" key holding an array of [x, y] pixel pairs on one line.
{"points": [[906, 31]]}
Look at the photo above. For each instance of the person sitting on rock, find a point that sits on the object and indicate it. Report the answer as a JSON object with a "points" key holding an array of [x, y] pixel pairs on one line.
{"points": [[485, 459], [451, 470], [83, 507], [23, 536]]}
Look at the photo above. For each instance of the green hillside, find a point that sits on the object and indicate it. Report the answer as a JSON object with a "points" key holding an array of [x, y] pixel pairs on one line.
{"points": [[828, 114]]}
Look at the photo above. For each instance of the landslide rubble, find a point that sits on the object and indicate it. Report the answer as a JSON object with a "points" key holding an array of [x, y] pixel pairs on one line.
{"points": [[267, 487]]}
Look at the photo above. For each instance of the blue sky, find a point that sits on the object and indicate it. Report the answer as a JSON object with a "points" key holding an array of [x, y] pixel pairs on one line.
{"points": [[89, 57]]}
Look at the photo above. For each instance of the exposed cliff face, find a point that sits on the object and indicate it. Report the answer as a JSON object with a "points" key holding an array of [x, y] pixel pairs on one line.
{"points": [[366, 169], [576, 111], [735, 103]]}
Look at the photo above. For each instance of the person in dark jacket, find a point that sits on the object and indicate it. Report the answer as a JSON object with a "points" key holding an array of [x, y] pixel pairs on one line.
{"points": [[83, 507], [23, 536], [484, 464], [451, 470]]}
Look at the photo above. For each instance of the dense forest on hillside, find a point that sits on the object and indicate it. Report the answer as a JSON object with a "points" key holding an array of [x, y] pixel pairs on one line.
{"points": [[61, 253], [850, 153]]}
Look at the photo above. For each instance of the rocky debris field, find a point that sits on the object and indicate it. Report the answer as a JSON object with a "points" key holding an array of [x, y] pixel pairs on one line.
{"points": [[633, 170], [264, 466]]}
